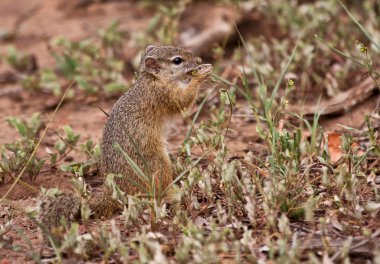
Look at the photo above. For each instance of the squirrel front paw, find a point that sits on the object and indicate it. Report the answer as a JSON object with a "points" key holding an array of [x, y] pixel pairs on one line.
{"points": [[203, 71]]}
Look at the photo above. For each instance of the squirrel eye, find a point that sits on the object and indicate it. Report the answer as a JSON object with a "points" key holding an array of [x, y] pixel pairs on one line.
{"points": [[177, 60]]}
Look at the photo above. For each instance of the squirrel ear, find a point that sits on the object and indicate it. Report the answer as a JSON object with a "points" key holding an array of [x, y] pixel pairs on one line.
{"points": [[149, 48], [151, 64]]}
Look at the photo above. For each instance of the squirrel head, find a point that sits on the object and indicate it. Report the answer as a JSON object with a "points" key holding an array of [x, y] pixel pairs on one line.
{"points": [[170, 62]]}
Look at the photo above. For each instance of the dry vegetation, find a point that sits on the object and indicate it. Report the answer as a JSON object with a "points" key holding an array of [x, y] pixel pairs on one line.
{"points": [[278, 162]]}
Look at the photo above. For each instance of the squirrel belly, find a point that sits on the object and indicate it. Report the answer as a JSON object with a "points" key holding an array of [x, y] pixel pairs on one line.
{"points": [[167, 83]]}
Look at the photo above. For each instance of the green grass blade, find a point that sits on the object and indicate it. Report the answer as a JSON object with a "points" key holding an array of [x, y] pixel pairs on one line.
{"points": [[131, 163], [253, 65], [279, 81], [218, 78], [138, 185], [339, 52], [363, 157], [179, 177], [188, 134], [134, 183], [360, 26], [133, 142]]}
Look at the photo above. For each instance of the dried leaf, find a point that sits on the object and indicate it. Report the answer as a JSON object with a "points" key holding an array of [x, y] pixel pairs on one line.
{"points": [[373, 208], [371, 178], [335, 223], [334, 147]]}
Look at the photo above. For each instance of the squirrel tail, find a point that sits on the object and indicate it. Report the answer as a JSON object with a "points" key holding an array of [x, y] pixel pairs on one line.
{"points": [[63, 206], [67, 206]]}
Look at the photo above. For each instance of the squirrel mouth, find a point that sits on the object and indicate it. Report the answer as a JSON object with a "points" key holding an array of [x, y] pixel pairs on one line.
{"points": [[190, 72], [191, 69]]}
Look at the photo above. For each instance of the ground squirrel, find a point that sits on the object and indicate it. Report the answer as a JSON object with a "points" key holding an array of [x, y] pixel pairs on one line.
{"points": [[167, 83]]}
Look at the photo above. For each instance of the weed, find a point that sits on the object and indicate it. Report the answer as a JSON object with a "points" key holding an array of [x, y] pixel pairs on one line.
{"points": [[64, 145], [163, 26], [97, 68], [92, 151], [14, 156], [95, 63], [21, 62]]}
